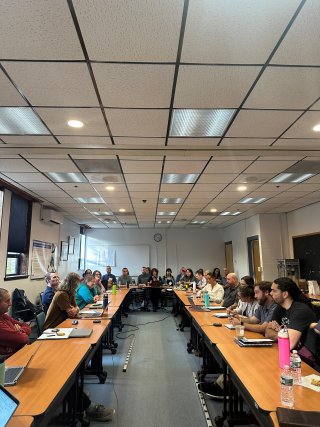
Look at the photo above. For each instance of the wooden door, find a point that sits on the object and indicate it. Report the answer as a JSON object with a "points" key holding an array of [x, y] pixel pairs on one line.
{"points": [[256, 260]]}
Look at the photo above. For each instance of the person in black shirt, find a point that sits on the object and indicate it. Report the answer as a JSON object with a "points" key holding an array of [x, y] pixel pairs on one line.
{"points": [[108, 276]]}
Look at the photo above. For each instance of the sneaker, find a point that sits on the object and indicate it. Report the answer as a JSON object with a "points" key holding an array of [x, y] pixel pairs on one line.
{"points": [[99, 413], [211, 389]]}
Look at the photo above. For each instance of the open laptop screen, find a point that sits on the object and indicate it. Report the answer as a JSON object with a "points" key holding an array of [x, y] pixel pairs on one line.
{"points": [[8, 404]]}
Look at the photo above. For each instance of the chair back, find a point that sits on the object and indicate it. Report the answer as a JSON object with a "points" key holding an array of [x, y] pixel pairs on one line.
{"points": [[40, 318]]}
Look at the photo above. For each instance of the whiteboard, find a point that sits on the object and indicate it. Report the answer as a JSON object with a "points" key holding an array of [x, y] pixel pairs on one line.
{"points": [[118, 256]]}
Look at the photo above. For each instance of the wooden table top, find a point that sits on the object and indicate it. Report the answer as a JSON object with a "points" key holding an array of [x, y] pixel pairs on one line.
{"points": [[48, 372], [274, 418], [98, 329], [116, 300], [258, 370], [313, 297], [183, 296], [20, 421]]}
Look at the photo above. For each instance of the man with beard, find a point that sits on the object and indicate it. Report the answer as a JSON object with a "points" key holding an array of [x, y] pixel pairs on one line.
{"points": [[259, 321]]}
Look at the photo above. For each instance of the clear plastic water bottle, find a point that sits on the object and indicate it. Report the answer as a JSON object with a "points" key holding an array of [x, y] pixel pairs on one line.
{"points": [[295, 364], [286, 380]]}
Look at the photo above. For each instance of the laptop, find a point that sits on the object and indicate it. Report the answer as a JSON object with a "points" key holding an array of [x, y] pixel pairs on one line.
{"points": [[8, 405], [80, 333], [196, 307], [253, 342], [12, 374], [92, 314]]}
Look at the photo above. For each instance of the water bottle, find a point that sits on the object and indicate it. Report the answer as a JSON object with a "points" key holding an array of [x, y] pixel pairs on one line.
{"points": [[194, 287], [295, 364], [283, 347], [206, 300], [287, 397], [114, 289], [2, 370], [105, 301]]}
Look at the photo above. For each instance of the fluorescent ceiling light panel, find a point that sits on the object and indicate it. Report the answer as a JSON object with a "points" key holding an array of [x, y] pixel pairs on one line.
{"points": [[102, 213], [166, 213], [89, 199], [179, 178], [255, 200], [21, 121], [200, 122], [166, 200], [66, 177], [292, 178], [227, 213]]}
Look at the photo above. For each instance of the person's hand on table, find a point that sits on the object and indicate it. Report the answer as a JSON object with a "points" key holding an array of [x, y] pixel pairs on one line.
{"points": [[274, 326], [234, 321], [17, 327], [96, 298]]}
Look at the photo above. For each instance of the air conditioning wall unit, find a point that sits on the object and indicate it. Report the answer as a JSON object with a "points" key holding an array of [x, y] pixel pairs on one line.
{"points": [[49, 215]]}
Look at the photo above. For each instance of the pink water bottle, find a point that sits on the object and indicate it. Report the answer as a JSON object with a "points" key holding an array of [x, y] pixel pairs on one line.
{"points": [[283, 347]]}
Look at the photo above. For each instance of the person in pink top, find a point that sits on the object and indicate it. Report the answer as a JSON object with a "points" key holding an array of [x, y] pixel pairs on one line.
{"points": [[13, 334]]}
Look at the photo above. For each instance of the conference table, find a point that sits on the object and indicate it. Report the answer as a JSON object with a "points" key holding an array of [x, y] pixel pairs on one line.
{"points": [[20, 421], [254, 371]]}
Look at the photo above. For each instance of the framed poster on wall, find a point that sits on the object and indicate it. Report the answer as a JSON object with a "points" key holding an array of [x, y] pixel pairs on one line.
{"points": [[64, 251], [72, 242]]}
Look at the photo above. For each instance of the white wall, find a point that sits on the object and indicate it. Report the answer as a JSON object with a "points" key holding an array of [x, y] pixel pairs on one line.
{"points": [[192, 248], [43, 231]]}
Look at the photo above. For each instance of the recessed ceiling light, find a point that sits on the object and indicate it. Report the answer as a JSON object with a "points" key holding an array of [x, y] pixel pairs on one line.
{"points": [[293, 178], [200, 122], [167, 213], [89, 199], [122, 210], [159, 222], [21, 121], [66, 177], [179, 178], [242, 188], [75, 124], [165, 200], [228, 213], [99, 213], [213, 210], [316, 128], [110, 188], [168, 222], [254, 200]]}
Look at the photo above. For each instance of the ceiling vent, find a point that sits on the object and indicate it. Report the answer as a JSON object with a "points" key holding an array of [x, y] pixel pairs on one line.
{"points": [[104, 178], [253, 179], [49, 215]]}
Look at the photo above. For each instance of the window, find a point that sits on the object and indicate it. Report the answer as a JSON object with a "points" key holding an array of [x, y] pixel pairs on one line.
{"points": [[18, 237]]}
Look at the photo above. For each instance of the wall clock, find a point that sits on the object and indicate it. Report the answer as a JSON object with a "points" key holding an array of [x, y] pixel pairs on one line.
{"points": [[157, 237]]}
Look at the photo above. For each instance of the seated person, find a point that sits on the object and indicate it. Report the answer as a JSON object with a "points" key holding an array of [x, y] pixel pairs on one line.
{"points": [[108, 276], [181, 277], [63, 306], [168, 279], [213, 288], [144, 277], [263, 314], [217, 275], [294, 310], [231, 290], [200, 279], [13, 334], [156, 291], [52, 281], [189, 277], [125, 279], [247, 303], [97, 282], [86, 292]]}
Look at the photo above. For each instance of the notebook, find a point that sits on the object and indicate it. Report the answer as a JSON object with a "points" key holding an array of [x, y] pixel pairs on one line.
{"points": [[80, 333], [8, 405], [12, 374], [56, 334], [254, 342]]}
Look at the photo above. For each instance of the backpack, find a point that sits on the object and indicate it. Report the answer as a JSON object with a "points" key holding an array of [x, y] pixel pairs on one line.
{"points": [[22, 308]]}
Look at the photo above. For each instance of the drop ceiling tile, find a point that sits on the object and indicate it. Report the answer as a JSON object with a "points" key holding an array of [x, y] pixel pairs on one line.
{"points": [[15, 165], [139, 142], [303, 127], [9, 96], [119, 189], [30, 140], [66, 202], [143, 187], [275, 188], [218, 166], [134, 85], [314, 180], [53, 83], [56, 119], [216, 178], [170, 194], [142, 195], [249, 188], [39, 186], [184, 166], [213, 87], [45, 165], [45, 154], [150, 123], [208, 187], [262, 123], [303, 143], [28, 33], [301, 44], [220, 31], [145, 30], [269, 166], [152, 166], [27, 177], [85, 141], [75, 186], [305, 187], [140, 178], [52, 193], [246, 142], [166, 188]]}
